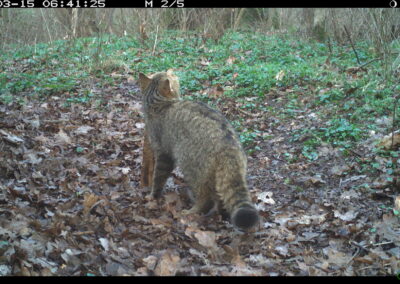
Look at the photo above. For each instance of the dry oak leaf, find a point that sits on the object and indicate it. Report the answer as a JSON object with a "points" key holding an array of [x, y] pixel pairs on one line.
{"points": [[390, 141], [230, 60], [216, 91], [206, 238], [13, 139], [83, 130], [204, 62], [89, 201], [279, 76], [62, 137], [150, 262], [168, 264], [397, 203], [266, 197], [348, 216]]}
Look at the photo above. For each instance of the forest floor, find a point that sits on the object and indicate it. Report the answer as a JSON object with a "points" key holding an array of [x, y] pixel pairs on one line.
{"points": [[70, 201]]}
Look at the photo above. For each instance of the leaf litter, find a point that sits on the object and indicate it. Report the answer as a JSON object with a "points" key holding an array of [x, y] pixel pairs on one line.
{"points": [[70, 201]]}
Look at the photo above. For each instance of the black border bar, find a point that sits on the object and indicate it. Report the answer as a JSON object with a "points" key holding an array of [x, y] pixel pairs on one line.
{"points": [[199, 3]]}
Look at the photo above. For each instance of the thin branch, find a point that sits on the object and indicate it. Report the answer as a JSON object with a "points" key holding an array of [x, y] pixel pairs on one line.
{"points": [[373, 60], [247, 113], [396, 99], [352, 45], [47, 26], [155, 42]]}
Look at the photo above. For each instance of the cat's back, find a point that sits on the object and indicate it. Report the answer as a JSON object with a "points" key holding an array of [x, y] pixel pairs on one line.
{"points": [[202, 125]]}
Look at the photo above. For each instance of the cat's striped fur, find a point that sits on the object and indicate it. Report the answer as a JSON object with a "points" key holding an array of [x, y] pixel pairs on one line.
{"points": [[203, 144]]}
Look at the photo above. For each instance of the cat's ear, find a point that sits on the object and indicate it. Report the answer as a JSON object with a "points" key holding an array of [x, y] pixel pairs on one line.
{"points": [[144, 81]]}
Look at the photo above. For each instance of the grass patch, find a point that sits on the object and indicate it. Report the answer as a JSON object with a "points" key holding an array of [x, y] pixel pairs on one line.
{"points": [[245, 65]]}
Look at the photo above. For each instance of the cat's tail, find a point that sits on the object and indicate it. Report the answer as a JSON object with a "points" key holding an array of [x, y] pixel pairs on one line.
{"points": [[232, 190]]}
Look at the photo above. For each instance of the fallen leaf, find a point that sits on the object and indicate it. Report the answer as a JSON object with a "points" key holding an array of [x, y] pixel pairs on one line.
{"points": [[83, 130], [349, 194], [168, 263], [339, 170], [337, 257], [310, 219], [315, 180], [397, 203], [88, 202], [11, 138], [104, 243], [62, 137], [5, 270], [150, 262], [279, 76], [388, 228], [204, 61], [266, 197], [215, 91], [125, 171], [230, 60], [139, 125], [390, 141], [206, 238], [282, 250], [348, 216]]}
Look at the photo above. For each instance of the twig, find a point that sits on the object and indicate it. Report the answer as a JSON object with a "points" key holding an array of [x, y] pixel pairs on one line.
{"points": [[395, 163], [396, 99], [354, 255], [383, 243], [364, 268], [330, 47], [355, 153], [358, 245], [47, 26], [238, 18], [55, 120], [278, 159], [247, 113], [359, 248], [352, 45], [83, 233], [365, 64], [155, 42]]}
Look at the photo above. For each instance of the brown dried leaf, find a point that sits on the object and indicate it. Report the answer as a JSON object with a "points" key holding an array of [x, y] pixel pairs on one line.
{"points": [[266, 197], [206, 238], [150, 262], [391, 141], [215, 91], [88, 202], [168, 263], [348, 216], [230, 60], [62, 137], [13, 139], [337, 257], [279, 76], [397, 203], [204, 62], [83, 130]]}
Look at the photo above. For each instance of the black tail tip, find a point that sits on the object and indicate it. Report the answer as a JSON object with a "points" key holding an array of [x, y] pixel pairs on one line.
{"points": [[245, 218]]}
